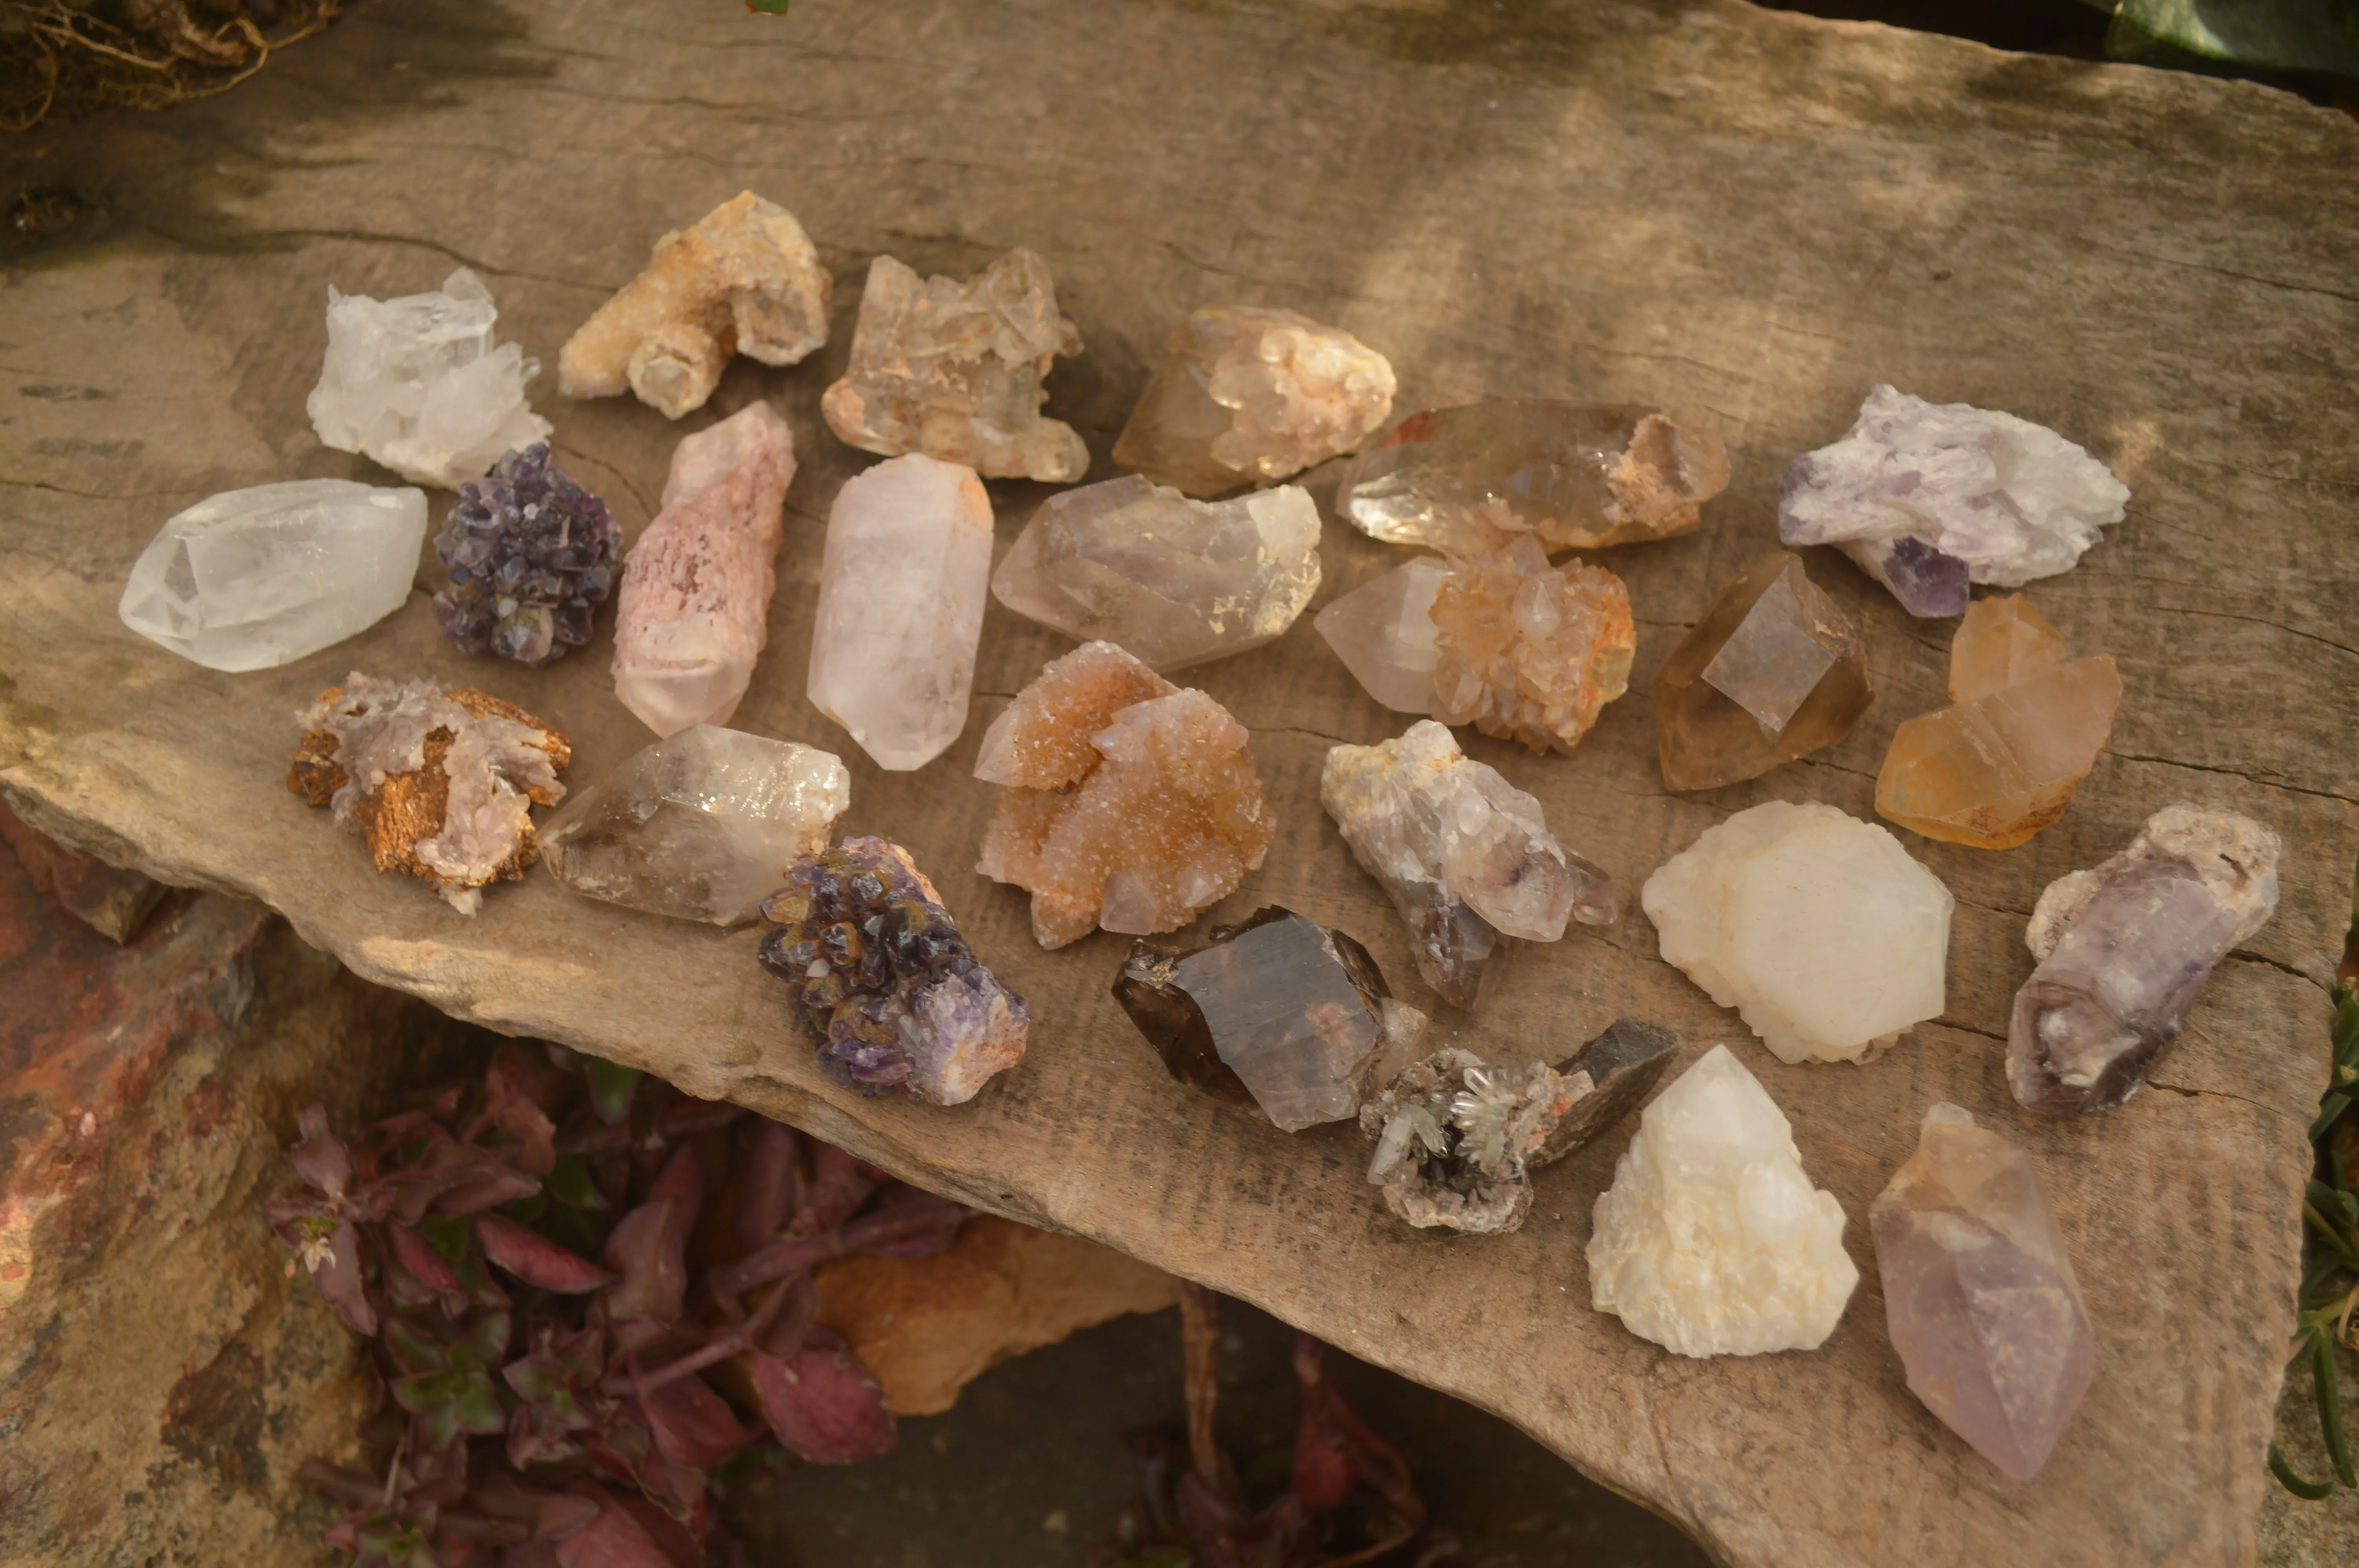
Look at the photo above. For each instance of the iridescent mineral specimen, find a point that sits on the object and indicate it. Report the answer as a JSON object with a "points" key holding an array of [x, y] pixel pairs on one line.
{"points": [[416, 384], [953, 370], [1175, 581], [1466, 856], [1711, 1240], [880, 975], [2005, 761], [251, 578], [902, 585], [693, 613], [1828, 941], [1383, 630], [1251, 395], [1979, 1294], [531, 556], [1772, 672], [743, 280], [439, 784], [1128, 803], [1565, 475], [1927, 497], [1529, 652], [698, 826], [1280, 1012], [2125, 950]]}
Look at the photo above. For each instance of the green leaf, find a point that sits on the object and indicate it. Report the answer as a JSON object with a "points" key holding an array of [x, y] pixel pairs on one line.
{"points": [[768, 8], [2329, 1109], [412, 1351], [486, 1344], [2294, 38], [569, 1184], [478, 1406], [2315, 1491], [2330, 1405], [612, 1085]]}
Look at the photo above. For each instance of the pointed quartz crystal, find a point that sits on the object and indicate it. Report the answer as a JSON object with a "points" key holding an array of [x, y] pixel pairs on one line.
{"points": [[2024, 730], [1772, 672], [1383, 630], [2125, 950], [1568, 475], [1979, 1294]]}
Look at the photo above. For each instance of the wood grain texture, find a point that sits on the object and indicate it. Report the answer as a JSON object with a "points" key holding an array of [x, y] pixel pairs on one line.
{"points": [[1745, 218]]}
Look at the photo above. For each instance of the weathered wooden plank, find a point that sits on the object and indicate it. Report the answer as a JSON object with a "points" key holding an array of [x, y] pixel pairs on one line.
{"points": [[1745, 217]]}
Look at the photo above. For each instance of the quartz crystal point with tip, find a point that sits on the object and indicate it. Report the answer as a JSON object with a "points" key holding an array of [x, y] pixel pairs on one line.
{"points": [[1249, 396], [2025, 730], [953, 370], [902, 585], [1619, 1068], [1456, 1136], [2125, 950], [699, 826], [1175, 581], [1280, 1012], [1928, 497], [416, 384], [1711, 1240], [1529, 652], [1383, 630], [531, 556], [1822, 933], [1565, 475], [693, 613], [1466, 856], [1979, 1294], [1772, 672], [252, 579]]}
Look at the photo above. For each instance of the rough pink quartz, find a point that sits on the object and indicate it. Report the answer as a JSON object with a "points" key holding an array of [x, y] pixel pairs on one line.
{"points": [[694, 609]]}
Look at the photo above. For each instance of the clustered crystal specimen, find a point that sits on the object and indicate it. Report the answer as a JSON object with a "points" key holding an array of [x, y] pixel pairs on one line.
{"points": [[879, 973], [1529, 652], [531, 556]]}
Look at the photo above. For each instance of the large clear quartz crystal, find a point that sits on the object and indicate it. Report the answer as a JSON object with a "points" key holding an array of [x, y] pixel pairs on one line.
{"points": [[251, 578], [1711, 1240], [1251, 395], [1817, 927], [955, 371], [1175, 581], [902, 585], [1467, 857], [1565, 475], [2125, 950], [699, 826], [416, 384], [1979, 1294], [1529, 652], [1928, 497], [692, 611], [1383, 630]]}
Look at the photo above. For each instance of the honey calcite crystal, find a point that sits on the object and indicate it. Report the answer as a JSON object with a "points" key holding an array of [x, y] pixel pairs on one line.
{"points": [[1772, 672], [743, 279], [2125, 950], [1565, 475], [2025, 728], [439, 784], [1127, 803], [1250, 395], [1529, 652], [955, 371]]}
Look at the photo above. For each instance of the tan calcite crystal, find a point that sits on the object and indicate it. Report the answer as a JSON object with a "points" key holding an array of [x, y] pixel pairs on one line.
{"points": [[2024, 730], [1529, 652], [1128, 803], [743, 280]]}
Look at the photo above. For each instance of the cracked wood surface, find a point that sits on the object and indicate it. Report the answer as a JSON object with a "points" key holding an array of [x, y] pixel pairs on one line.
{"points": [[1746, 218]]}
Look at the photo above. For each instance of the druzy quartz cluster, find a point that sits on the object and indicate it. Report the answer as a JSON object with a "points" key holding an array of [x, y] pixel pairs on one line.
{"points": [[531, 556]]}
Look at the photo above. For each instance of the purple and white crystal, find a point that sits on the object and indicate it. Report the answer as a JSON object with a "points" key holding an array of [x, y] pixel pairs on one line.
{"points": [[532, 556]]}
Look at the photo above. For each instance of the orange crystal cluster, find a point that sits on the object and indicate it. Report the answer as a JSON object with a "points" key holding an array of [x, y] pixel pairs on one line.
{"points": [[1527, 651]]}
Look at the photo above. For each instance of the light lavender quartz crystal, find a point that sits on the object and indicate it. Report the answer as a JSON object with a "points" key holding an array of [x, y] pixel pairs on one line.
{"points": [[1383, 632], [2125, 950], [1979, 1294], [1928, 497]]}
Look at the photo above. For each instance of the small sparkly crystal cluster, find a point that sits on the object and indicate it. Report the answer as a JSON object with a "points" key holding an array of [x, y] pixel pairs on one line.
{"points": [[532, 556]]}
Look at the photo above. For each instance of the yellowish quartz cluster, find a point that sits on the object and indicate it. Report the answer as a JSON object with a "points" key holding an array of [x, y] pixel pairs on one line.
{"points": [[1527, 651]]}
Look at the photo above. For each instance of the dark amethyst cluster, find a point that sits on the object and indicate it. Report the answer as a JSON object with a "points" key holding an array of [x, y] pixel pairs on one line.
{"points": [[531, 554], [885, 981]]}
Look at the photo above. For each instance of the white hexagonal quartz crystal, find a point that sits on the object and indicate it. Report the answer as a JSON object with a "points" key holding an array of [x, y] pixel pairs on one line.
{"points": [[1711, 1240], [1817, 927]]}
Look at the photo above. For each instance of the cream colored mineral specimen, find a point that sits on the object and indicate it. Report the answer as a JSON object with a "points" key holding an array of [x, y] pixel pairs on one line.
{"points": [[743, 280], [1529, 652]]}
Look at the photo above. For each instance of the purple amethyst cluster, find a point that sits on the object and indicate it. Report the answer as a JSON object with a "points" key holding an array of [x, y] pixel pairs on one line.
{"points": [[882, 976], [531, 554]]}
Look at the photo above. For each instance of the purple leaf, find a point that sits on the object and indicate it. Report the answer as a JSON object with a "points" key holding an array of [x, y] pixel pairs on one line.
{"points": [[840, 1184], [917, 1225], [785, 1333], [691, 1425], [615, 1540], [646, 1251], [534, 1259], [342, 1282], [769, 1182], [419, 1259], [321, 1159], [822, 1403]]}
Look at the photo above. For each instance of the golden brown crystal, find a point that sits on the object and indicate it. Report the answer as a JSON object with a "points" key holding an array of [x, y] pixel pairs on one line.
{"points": [[1529, 652]]}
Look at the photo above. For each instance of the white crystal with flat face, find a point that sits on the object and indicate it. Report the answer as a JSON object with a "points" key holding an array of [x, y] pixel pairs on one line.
{"points": [[1711, 1240], [1383, 630], [1817, 927], [416, 384], [251, 578]]}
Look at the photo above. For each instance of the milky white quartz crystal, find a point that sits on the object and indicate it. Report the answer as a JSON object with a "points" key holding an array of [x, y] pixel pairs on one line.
{"points": [[1711, 1240], [250, 578], [416, 384], [902, 586], [1817, 927]]}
